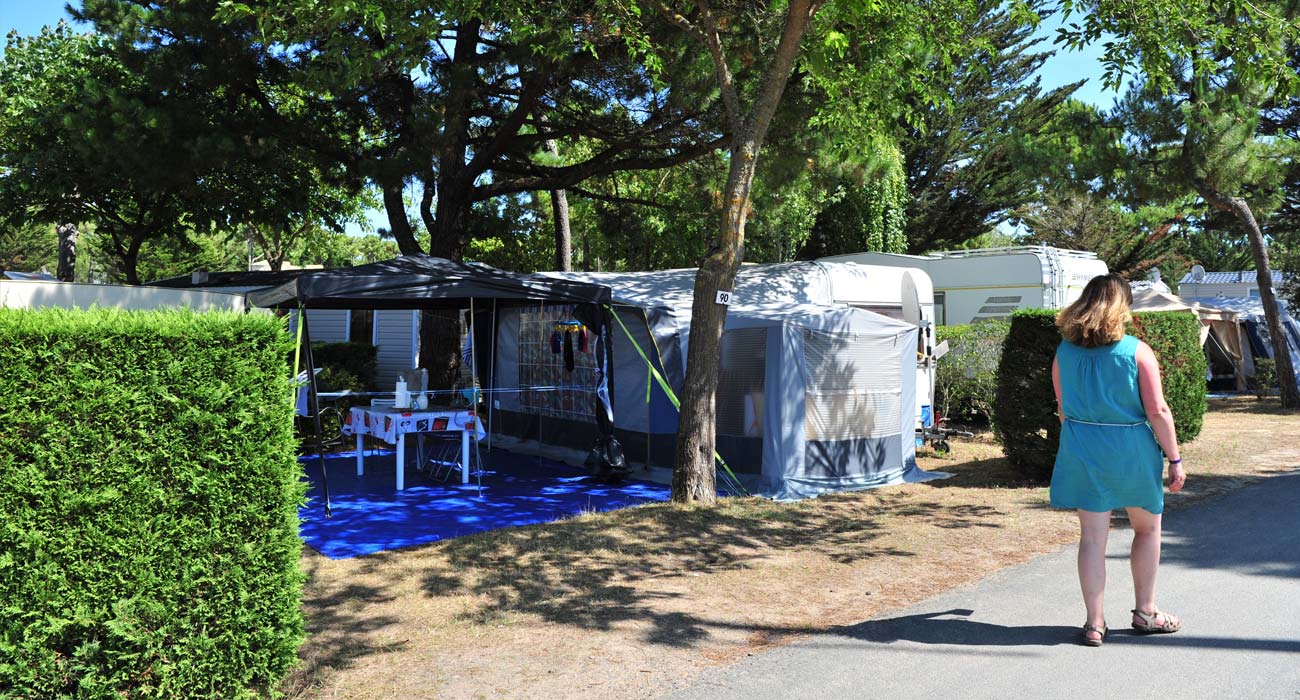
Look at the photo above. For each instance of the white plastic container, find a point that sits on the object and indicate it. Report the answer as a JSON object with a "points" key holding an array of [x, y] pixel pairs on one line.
{"points": [[403, 398]]}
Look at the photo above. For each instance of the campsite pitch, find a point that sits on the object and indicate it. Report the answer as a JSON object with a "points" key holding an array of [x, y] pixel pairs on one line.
{"points": [[636, 602]]}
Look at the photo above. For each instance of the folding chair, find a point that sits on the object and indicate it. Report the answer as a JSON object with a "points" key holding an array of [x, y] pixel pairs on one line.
{"points": [[442, 450]]}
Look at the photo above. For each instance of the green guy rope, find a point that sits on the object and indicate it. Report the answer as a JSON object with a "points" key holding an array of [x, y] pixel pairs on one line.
{"points": [[668, 391]]}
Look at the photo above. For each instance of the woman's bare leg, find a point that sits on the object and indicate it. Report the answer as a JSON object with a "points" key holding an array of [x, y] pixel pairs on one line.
{"points": [[1145, 557], [1093, 528]]}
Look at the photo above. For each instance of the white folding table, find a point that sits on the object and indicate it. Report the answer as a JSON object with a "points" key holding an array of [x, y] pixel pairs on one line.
{"points": [[392, 425]]}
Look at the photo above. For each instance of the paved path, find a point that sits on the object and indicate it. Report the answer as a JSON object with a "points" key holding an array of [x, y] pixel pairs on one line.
{"points": [[1231, 569]]}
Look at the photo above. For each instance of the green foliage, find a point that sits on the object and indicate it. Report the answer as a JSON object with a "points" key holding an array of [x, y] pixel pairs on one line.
{"points": [[1264, 379], [966, 379], [352, 365], [972, 157], [148, 505], [1175, 337], [1166, 40], [865, 216], [28, 247], [1025, 410], [1130, 241]]}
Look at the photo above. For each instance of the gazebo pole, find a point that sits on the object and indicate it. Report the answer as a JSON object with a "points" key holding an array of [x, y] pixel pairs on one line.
{"points": [[314, 402], [492, 374], [473, 386]]}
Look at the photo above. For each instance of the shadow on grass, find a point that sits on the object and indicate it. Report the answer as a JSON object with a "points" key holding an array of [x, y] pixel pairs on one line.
{"points": [[337, 627], [996, 472], [590, 572], [1249, 405]]}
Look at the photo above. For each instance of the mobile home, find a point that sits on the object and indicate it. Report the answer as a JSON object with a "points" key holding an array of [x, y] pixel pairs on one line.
{"points": [[970, 285]]}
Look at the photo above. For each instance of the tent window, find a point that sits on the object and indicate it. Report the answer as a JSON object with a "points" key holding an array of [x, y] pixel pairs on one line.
{"points": [[853, 390], [741, 382], [555, 379]]}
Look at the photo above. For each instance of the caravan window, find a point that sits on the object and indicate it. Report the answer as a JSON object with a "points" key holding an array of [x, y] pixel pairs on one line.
{"points": [[883, 310], [940, 308]]}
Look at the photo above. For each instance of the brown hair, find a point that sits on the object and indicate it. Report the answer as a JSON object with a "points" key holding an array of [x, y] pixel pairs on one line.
{"points": [[1098, 316]]}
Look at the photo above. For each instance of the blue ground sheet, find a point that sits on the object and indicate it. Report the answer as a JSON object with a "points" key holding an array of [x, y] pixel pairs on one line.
{"points": [[370, 515]]}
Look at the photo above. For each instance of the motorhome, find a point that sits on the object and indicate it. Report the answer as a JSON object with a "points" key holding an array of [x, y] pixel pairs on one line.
{"points": [[970, 285]]}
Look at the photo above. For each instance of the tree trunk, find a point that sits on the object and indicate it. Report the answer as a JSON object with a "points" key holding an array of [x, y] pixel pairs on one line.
{"points": [[131, 261], [694, 475], [560, 212], [1263, 274], [67, 270], [398, 224], [693, 472]]}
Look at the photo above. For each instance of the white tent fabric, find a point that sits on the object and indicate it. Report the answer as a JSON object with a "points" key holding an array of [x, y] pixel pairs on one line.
{"points": [[811, 396], [1153, 300]]}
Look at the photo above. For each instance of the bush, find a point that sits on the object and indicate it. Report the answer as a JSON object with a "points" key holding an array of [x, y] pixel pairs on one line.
{"points": [[1025, 419], [1175, 336], [148, 505], [1264, 379], [1025, 404], [350, 365], [966, 379]]}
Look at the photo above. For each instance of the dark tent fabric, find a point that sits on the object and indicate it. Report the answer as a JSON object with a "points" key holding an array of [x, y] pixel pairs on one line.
{"points": [[421, 282]]}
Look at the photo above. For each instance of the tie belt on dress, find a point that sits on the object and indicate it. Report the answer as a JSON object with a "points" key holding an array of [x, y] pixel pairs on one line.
{"points": [[1113, 425]]}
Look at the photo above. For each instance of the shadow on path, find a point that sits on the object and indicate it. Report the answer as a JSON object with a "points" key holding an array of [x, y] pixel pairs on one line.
{"points": [[950, 627]]}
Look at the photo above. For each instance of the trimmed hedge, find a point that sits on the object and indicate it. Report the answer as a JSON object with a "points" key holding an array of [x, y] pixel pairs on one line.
{"points": [[148, 505], [1175, 336], [346, 365], [1025, 405], [1024, 409], [966, 379]]}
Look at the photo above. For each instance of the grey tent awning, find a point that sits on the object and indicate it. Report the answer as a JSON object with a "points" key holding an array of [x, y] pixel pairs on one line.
{"points": [[422, 282]]}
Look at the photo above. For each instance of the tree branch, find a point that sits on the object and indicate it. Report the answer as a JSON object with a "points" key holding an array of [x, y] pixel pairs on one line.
{"points": [[602, 164]]}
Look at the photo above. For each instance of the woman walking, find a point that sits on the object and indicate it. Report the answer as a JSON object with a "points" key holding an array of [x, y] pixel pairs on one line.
{"points": [[1116, 431]]}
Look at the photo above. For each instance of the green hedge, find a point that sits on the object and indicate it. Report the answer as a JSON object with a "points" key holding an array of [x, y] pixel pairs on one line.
{"points": [[966, 378], [1024, 409], [1025, 405], [346, 365], [148, 505], [1175, 336]]}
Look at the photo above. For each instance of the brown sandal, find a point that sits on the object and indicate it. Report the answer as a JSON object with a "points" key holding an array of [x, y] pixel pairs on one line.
{"points": [[1089, 627], [1150, 625]]}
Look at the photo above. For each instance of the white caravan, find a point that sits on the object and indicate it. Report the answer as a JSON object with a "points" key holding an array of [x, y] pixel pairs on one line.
{"points": [[970, 285]]}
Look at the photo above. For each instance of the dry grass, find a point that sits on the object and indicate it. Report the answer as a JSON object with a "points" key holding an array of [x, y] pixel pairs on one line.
{"points": [[632, 603]]}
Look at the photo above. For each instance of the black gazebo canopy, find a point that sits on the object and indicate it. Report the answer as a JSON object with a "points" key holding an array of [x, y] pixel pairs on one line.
{"points": [[421, 282]]}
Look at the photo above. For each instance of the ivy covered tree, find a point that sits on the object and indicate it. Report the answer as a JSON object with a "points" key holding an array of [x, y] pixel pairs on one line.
{"points": [[865, 213]]}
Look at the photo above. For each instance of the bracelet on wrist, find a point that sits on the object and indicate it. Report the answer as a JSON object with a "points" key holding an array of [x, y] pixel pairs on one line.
{"points": [[1172, 462]]}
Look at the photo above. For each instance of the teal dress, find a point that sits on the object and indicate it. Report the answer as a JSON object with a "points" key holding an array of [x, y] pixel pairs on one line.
{"points": [[1108, 457]]}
